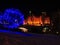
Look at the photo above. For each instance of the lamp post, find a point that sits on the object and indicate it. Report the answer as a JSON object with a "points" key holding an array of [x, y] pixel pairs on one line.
{"points": [[30, 13], [43, 16]]}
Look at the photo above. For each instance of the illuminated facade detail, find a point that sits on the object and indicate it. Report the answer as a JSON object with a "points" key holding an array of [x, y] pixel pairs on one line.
{"points": [[47, 20], [29, 21], [37, 21], [13, 17]]}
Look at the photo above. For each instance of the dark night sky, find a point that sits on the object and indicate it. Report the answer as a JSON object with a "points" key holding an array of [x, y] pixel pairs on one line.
{"points": [[25, 6]]}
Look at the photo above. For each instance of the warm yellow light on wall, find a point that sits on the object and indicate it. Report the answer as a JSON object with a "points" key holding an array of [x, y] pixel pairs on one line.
{"points": [[36, 21]]}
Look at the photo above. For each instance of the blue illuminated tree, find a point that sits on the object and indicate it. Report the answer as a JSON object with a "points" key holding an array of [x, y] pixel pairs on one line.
{"points": [[13, 18], [0, 19]]}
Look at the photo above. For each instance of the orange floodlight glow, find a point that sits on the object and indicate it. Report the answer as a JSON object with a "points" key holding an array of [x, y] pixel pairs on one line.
{"points": [[36, 21], [47, 20]]}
